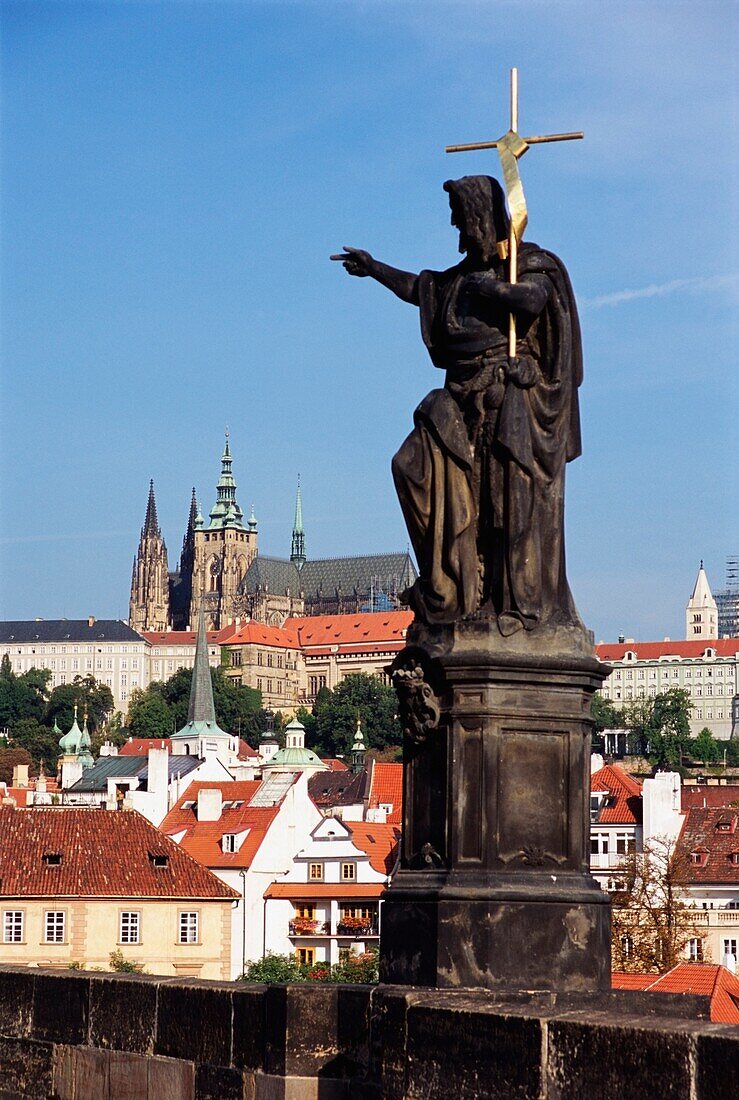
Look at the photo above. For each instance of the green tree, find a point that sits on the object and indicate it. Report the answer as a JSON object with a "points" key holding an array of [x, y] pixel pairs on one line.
{"points": [[8, 760], [704, 746], [358, 695], [90, 697], [273, 969], [604, 714], [661, 726], [22, 696], [238, 708], [122, 965], [38, 740], [149, 715]]}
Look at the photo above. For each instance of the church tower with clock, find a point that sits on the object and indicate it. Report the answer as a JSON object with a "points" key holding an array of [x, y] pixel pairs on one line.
{"points": [[223, 551]]}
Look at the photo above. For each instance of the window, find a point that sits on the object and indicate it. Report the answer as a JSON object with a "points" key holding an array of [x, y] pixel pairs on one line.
{"points": [[315, 872], [158, 859], [729, 948], [52, 859], [627, 946], [54, 922], [695, 950], [229, 842], [13, 926], [130, 926], [348, 872], [306, 955], [188, 927], [305, 909]]}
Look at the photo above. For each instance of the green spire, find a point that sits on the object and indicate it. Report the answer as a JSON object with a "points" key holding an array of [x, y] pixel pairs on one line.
{"points": [[252, 524], [70, 743], [84, 755], [358, 748], [201, 714], [202, 708], [226, 511], [297, 548]]}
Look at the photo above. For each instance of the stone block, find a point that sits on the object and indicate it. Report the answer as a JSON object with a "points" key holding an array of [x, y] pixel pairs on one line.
{"points": [[170, 1079], [123, 1013], [16, 1001], [26, 1068], [248, 1026], [606, 1056], [388, 1011], [129, 1075], [63, 1073], [91, 1074], [61, 1008], [194, 1021], [268, 1087], [717, 1056], [478, 1051], [217, 1083], [303, 1035]]}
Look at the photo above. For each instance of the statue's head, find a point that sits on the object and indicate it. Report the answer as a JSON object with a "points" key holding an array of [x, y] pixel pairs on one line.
{"points": [[479, 213]]}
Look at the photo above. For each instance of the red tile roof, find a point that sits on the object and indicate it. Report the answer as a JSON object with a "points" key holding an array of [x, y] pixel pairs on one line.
{"points": [[323, 631], [380, 842], [712, 981], [103, 854], [202, 839], [702, 797], [259, 634], [338, 890], [185, 637], [139, 746], [387, 789], [334, 764], [624, 806], [702, 830], [246, 752], [651, 651]]}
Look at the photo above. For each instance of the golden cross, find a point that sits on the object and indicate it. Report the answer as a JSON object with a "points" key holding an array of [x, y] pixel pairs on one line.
{"points": [[510, 147]]}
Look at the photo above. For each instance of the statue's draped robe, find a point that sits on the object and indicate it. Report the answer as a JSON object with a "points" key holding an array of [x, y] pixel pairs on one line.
{"points": [[481, 477]]}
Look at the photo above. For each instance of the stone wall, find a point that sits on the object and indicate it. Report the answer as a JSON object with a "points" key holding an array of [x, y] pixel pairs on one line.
{"points": [[97, 1036]]}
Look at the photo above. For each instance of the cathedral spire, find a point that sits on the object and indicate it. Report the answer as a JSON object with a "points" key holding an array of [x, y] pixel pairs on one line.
{"points": [[297, 548], [188, 542], [701, 614], [202, 707], [226, 511], [151, 523]]}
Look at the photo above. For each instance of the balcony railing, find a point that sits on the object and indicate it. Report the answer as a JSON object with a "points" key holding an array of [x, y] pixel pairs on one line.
{"points": [[305, 927], [354, 927]]}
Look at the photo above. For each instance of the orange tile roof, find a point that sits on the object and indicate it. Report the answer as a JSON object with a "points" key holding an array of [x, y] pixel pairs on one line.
{"points": [[387, 788], [702, 831], [260, 634], [202, 839], [139, 746], [338, 890], [706, 979], [651, 651], [624, 807], [380, 842], [246, 752], [703, 797], [361, 629], [620, 980], [103, 854]]}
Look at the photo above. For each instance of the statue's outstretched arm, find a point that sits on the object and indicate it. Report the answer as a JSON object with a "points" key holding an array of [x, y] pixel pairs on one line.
{"points": [[358, 262]]}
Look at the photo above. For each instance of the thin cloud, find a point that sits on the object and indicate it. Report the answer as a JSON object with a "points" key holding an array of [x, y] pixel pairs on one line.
{"points": [[659, 290]]}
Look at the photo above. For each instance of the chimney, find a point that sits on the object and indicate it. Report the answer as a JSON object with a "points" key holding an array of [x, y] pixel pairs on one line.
{"points": [[209, 804], [158, 771], [91, 621], [20, 775]]}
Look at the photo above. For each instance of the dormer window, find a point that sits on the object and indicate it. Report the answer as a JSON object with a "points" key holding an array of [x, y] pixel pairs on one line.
{"points": [[629, 655], [52, 859], [228, 842], [734, 857], [726, 824], [158, 860], [699, 857]]}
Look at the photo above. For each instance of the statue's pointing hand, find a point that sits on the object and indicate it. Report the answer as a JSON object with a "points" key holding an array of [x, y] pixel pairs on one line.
{"points": [[356, 261]]}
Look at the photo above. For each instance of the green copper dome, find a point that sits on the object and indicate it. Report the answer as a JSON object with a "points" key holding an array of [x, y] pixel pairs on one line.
{"points": [[70, 743], [297, 758]]}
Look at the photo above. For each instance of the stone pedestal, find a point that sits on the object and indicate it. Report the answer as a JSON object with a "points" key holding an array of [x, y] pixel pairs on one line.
{"points": [[494, 889]]}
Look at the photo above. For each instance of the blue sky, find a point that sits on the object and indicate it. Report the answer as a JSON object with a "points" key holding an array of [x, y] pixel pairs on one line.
{"points": [[174, 177]]}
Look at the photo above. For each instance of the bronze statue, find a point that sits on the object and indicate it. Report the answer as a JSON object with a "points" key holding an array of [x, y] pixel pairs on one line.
{"points": [[481, 476]]}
